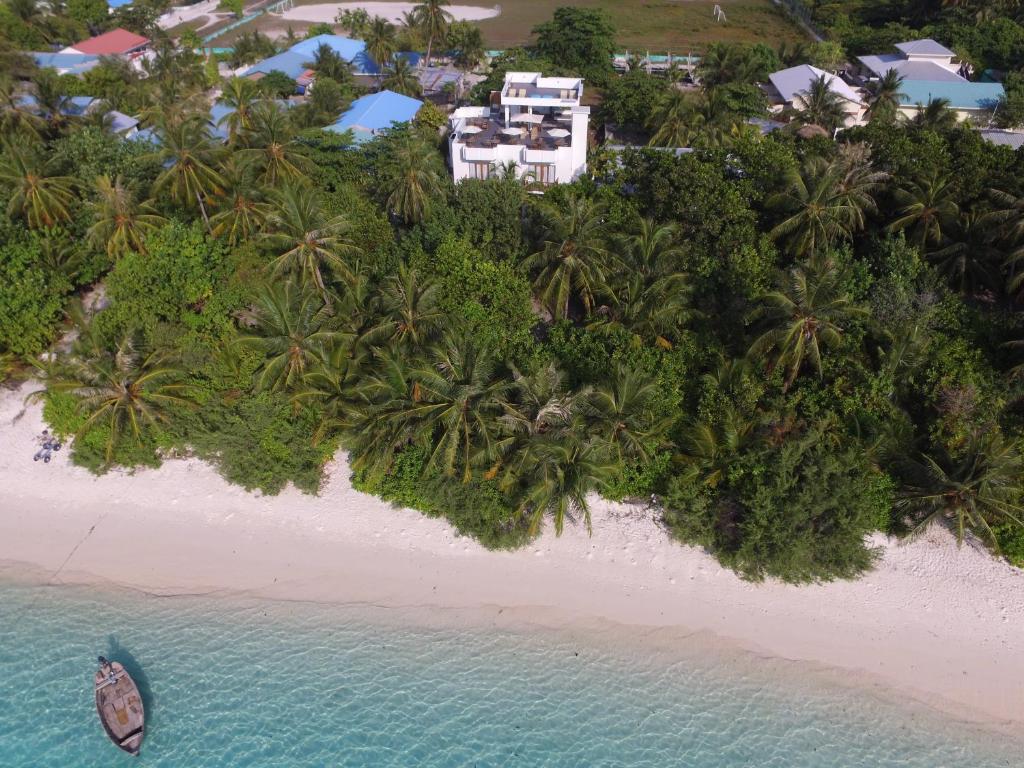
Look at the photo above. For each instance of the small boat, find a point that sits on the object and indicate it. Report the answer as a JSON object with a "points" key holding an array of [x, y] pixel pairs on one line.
{"points": [[119, 706]]}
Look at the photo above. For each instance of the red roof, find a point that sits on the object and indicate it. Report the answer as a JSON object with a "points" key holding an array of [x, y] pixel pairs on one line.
{"points": [[111, 43]]}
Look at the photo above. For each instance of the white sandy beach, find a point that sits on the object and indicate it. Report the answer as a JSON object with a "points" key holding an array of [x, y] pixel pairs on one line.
{"points": [[938, 624], [327, 12]]}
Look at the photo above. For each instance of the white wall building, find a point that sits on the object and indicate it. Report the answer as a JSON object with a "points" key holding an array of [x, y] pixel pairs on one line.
{"points": [[916, 60], [792, 86], [537, 125]]}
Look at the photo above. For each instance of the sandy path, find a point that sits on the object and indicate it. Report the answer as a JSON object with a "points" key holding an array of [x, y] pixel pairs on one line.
{"points": [[327, 12], [937, 623]]}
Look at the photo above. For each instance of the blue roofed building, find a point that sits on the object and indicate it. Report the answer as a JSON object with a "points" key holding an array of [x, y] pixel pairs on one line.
{"points": [[121, 124], [291, 64], [346, 48], [296, 60], [115, 4], [66, 63], [966, 98], [370, 115]]}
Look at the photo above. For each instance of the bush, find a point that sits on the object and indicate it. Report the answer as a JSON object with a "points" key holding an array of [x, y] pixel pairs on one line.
{"points": [[257, 441], [182, 279], [799, 512], [31, 297], [478, 509], [491, 301]]}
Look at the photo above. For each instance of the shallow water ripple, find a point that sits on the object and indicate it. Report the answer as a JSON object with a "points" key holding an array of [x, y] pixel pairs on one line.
{"points": [[251, 684]]}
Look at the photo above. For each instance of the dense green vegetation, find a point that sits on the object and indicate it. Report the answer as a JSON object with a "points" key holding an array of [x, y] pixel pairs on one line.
{"points": [[784, 343]]}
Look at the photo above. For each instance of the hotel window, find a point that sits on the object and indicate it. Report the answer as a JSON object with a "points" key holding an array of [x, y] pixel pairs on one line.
{"points": [[542, 173], [479, 170]]}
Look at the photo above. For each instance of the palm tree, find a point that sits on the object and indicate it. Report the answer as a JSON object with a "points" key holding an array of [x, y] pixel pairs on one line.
{"points": [[402, 78], [189, 156], [292, 331], [885, 97], [572, 261], [18, 120], [560, 475], [458, 396], [970, 258], [40, 199], [332, 383], [620, 413], [825, 201], [724, 63], [381, 44], [543, 404], [971, 492], [327, 63], [242, 209], [709, 447], [307, 239], [434, 20], [1007, 223], [409, 307], [821, 105], [808, 313], [413, 175], [651, 294], [271, 146], [240, 95], [125, 389], [651, 250], [379, 402], [935, 115], [927, 207], [32, 15], [121, 222], [651, 308], [671, 121]]}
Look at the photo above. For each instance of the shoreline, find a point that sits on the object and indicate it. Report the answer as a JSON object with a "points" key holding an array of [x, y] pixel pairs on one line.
{"points": [[933, 623]]}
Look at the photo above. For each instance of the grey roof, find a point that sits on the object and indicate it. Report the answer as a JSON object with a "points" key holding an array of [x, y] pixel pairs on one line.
{"points": [[1005, 138], [925, 47], [795, 81], [909, 70]]}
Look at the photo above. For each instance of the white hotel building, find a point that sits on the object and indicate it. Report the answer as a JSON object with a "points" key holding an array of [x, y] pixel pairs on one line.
{"points": [[537, 124]]}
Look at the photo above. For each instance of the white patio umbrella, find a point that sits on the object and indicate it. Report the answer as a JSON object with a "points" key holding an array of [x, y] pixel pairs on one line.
{"points": [[472, 129], [526, 117], [558, 133], [512, 131]]}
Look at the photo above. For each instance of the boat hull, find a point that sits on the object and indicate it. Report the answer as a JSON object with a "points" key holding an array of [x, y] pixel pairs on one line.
{"points": [[119, 706]]}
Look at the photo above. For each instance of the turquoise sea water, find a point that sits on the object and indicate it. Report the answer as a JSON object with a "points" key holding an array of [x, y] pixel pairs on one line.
{"points": [[231, 682]]}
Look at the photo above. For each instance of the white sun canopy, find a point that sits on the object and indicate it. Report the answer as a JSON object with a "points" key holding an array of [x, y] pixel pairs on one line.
{"points": [[526, 117]]}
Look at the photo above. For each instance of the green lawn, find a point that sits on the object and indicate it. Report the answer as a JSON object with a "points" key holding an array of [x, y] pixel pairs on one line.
{"points": [[679, 26], [659, 25]]}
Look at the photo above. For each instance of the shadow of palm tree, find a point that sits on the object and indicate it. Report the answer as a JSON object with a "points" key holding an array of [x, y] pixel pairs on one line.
{"points": [[117, 652]]}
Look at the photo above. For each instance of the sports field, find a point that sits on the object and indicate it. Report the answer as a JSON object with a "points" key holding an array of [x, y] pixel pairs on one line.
{"points": [[658, 25], [679, 26]]}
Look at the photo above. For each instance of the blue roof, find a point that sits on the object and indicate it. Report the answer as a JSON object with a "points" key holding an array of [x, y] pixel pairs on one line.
{"points": [[120, 122], [291, 63], [78, 105], [964, 95], [117, 3], [345, 47], [73, 63], [365, 65], [146, 134], [375, 113]]}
